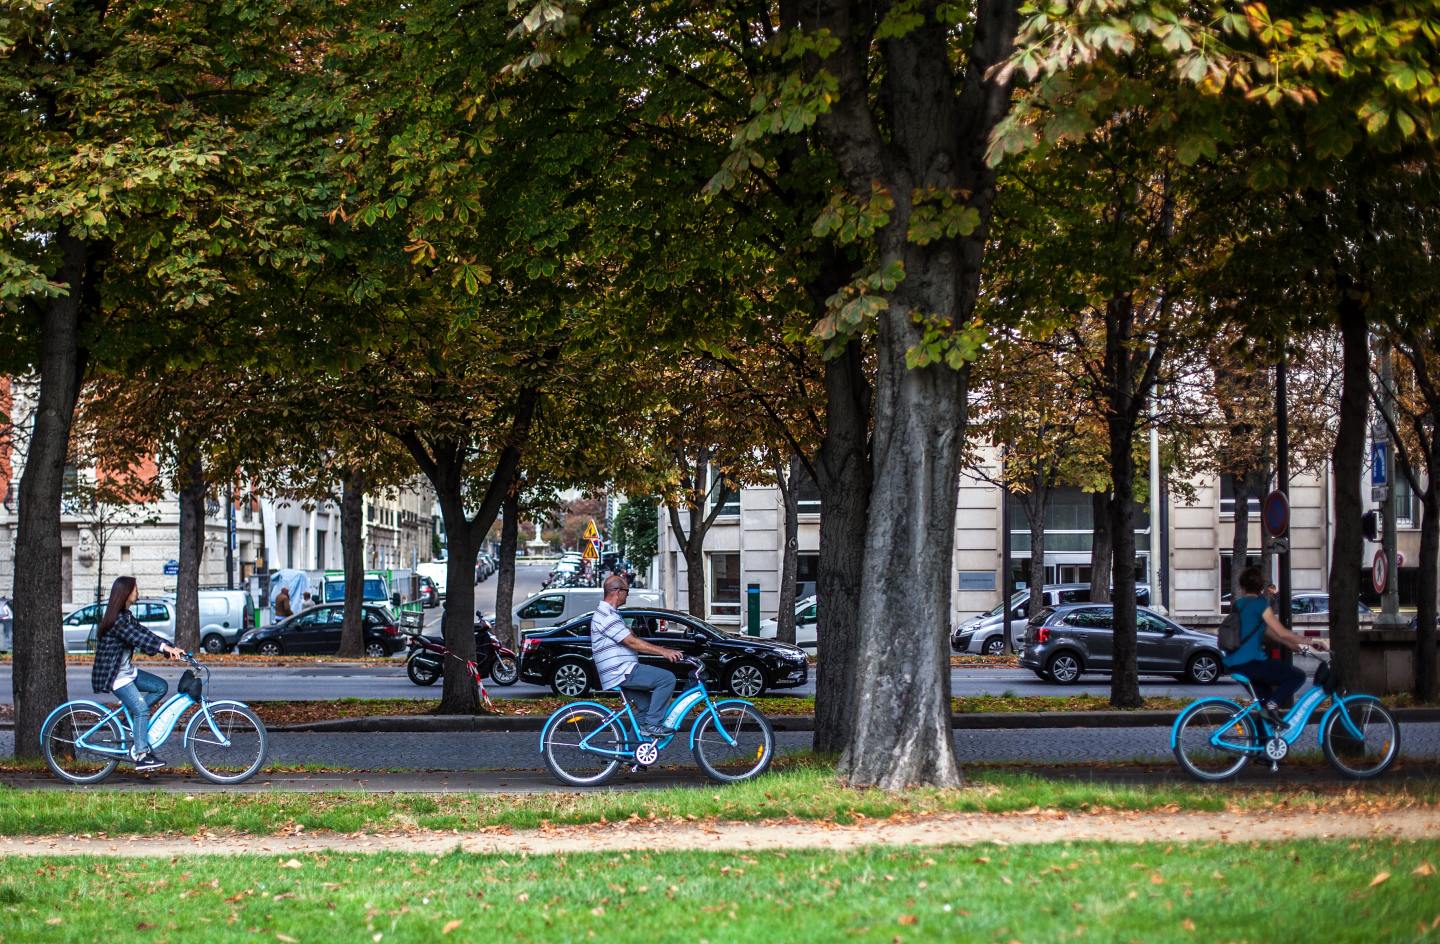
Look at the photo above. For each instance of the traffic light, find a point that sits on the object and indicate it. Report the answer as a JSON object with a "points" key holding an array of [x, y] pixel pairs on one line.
{"points": [[1373, 524]]}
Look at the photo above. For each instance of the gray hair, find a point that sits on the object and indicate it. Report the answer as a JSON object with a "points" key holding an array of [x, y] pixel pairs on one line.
{"points": [[616, 582]]}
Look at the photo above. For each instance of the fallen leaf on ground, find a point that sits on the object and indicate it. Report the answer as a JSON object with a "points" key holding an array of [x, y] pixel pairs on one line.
{"points": [[1424, 868], [908, 919], [1379, 879], [286, 938], [450, 926], [290, 864]]}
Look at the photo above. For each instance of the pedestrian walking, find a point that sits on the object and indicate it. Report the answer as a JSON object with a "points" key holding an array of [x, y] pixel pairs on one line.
{"points": [[282, 604]]}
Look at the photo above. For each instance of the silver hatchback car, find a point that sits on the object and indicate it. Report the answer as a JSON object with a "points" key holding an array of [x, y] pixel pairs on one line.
{"points": [[158, 616], [1064, 642]]}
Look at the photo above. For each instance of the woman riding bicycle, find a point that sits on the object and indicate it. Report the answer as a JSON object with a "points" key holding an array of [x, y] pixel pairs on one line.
{"points": [[1275, 681], [120, 634]]}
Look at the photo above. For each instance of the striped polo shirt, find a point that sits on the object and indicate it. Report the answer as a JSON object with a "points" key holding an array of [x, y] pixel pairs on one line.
{"points": [[613, 661]]}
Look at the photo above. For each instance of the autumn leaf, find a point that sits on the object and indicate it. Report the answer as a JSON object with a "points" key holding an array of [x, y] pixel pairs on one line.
{"points": [[1424, 868], [290, 864], [1187, 924], [1379, 879], [286, 938], [908, 919], [450, 926]]}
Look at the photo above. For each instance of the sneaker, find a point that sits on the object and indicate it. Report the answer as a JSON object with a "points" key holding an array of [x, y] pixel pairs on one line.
{"points": [[1271, 712], [656, 731], [149, 762]]}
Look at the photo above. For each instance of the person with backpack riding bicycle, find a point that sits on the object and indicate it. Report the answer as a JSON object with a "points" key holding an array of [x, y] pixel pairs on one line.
{"points": [[119, 635], [1275, 681]]}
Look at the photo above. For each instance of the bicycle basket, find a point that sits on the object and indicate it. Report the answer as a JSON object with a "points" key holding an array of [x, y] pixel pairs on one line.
{"points": [[190, 684], [1328, 678]]}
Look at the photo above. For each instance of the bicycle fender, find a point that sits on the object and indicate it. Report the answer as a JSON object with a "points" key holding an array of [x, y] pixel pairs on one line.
{"points": [[711, 711], [568, 708], [1213, 700], [75, 703], [1348, 699]]}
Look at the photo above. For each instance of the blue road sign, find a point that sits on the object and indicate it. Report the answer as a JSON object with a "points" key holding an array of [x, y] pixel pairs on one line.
{"points": [[1380, 464], [172, 568]]}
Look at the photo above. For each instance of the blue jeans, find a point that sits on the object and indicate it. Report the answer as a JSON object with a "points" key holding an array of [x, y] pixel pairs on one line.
{"points": [[650, 689], [138, 698], [1273, 679]]}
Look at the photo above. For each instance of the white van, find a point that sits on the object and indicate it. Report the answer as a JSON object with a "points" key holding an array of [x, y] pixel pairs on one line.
{"points": [[436, 571], [553, 607], [224, 615]]}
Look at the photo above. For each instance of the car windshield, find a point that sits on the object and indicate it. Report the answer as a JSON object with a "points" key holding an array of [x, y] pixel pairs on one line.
{"points": [[1014, 601]]}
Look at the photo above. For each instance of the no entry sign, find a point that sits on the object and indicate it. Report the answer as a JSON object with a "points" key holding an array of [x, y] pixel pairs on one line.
{"points": [[1380, 571], [1276, 512]]}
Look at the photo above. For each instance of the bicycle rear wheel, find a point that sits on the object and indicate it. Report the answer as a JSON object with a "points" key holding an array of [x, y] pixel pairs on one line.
{"points": [[1199, 728], [212, 757], [582, 766], [1373, 751], [750, 754], [75, 762]]}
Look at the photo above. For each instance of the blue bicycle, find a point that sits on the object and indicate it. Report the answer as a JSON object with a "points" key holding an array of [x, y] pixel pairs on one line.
{"points": [[585, 743], [1214, 738], [83, 741]]}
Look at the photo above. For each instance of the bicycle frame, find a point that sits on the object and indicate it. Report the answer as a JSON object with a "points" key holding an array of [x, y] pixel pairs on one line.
{"points": [[683, 705], [1295, 719]]}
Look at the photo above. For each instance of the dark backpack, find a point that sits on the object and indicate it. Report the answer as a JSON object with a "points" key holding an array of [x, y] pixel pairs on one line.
{"points": [[1228, 636]]}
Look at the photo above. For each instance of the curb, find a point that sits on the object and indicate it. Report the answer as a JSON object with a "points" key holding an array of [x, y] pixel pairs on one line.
{"points": [[1017, 720]]}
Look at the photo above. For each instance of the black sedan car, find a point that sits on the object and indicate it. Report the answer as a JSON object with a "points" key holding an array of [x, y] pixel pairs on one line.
{"points": [[316, 631], [744, 665], [1064, 642]]}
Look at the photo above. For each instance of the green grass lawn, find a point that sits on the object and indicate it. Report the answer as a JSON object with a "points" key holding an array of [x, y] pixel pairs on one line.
{"points": [[1333, 891], [809, 793]]}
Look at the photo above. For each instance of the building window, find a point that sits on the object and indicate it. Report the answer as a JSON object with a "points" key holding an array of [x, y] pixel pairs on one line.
{"points": [[807, 572], [807, 493], [1227, 499], [1404, 501], [725, 585], [728, 498], [319, 550], [124, 554]]}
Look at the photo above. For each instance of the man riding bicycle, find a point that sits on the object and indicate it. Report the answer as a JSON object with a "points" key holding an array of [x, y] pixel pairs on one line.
{"points": [[615, 651]]}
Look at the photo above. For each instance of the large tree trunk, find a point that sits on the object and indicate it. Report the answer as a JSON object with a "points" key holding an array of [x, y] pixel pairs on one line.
{"points": [[1347, 461], [692, 548], [505, 579], [843, 475], [38, 682], [1425, 682], [1240, 539], [352, 559], [1101, 552], [1125, 676], [192, 544], [790, 553]]}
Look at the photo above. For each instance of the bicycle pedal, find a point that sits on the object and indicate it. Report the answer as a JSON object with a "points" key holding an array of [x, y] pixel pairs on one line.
{"points": [[639, 768]]}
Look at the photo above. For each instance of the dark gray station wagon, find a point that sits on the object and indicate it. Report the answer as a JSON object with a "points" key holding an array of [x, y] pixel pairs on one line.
{"points": [[1064, 642]]}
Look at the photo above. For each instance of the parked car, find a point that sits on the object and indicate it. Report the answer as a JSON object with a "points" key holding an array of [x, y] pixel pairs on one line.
{"points": [[806, 625], [224, 615], [1318, 603], [553, 607], [429, 593], [747, 666], [437, 571], [984, 634], [317, 631], [155, 614], [1064, 642]]}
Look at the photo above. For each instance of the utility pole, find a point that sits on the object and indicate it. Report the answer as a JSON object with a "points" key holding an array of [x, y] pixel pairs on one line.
{"points": [[1282, 484]]}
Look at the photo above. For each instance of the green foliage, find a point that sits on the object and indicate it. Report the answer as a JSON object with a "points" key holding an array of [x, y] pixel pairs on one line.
{"points": [[637, 530], [942, 343]]}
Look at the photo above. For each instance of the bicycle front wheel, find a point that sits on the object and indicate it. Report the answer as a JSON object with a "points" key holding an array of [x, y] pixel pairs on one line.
{"points": [[231, 747], [1212, 738], [1367, 745], [575, 743], [737, 746], [66, 756]]}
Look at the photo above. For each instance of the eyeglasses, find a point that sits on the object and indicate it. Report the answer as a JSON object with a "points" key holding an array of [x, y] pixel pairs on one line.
{"points": [[621, 590]]}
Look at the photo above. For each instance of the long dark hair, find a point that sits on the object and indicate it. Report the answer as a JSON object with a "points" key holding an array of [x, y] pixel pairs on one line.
{"points": [[120, 592]]}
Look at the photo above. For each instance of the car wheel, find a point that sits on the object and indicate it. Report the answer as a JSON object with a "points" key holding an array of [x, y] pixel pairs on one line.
{"points": [[1202, 669], [570, 680], [746, 679], [213, 644], [995, 646], [376, 650], [1064, 668], [269, 648]]}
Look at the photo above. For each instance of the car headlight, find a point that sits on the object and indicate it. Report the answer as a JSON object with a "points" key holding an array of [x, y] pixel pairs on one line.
{"points": [[247, 636]]}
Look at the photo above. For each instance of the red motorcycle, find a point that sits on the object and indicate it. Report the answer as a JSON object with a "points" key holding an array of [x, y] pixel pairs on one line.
{"points": [[426, 660]]}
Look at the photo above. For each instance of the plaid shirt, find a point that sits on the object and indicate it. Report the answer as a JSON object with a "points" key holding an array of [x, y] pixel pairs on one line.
{"points": [[124, 638]]}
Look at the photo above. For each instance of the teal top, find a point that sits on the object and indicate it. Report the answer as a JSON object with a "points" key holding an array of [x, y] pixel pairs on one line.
{"points": [[1252, 632]]}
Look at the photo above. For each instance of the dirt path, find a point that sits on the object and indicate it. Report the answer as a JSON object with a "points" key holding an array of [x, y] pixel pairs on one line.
{"points": [[936, 830]]}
